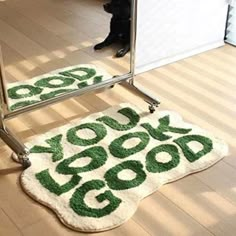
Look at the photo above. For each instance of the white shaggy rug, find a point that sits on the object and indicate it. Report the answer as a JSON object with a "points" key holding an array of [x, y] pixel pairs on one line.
{"points": [[55, 83], [94, 172]]}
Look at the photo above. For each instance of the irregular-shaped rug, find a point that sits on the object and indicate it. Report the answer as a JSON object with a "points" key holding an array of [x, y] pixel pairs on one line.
{"points": [[94, 172], [55, 83]]}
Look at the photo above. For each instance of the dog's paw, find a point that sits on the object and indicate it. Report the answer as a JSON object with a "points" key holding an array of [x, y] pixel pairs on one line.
{"points": [[121, 52], [98, 46]]}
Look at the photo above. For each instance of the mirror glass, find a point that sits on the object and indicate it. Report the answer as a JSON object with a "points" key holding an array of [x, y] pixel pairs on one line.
{"points": [[54, 47]]}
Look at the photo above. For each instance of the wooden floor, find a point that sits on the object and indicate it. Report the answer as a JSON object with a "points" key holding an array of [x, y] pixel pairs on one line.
{"points": [[39, 36]]}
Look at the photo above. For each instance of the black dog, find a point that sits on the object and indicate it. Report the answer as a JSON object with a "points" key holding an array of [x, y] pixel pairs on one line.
{"points": [[119, 26]]}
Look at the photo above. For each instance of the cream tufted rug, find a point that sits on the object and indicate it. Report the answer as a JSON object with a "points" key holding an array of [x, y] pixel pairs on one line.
{"points": [[55, 83], [94, 172]]}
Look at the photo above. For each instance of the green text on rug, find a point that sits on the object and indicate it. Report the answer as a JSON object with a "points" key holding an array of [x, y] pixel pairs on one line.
{"points": [[53, 84]]}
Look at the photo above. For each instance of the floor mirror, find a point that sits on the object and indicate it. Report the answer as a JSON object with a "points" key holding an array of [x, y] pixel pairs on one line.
{"points": [[56, 50]]}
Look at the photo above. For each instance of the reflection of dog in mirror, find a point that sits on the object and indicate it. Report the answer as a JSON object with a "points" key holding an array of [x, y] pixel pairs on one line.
{"points": [[119, 26]]}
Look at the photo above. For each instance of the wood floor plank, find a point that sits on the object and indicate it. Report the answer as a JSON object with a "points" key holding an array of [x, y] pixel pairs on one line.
{"points": [[50, 226], [40, 16], [20, 208], [207, 207], [202, 78], [221, 183], [215, 71], [185, 102], [32, 30], [203, 91], [191, 97], [7, 227], [161, 217]]}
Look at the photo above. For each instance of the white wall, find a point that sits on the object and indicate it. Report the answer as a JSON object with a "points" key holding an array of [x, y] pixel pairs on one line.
{"points": [[168, 30]]}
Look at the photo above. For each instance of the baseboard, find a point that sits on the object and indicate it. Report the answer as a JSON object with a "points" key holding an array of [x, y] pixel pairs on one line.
{"points": [[181, 56]]}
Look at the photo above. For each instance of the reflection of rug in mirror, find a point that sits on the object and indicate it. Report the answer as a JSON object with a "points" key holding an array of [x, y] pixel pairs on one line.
{"points": [[94, 172], [52, 84]]}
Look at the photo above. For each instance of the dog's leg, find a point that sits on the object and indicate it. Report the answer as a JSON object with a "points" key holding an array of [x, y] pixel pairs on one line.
{"points": [[123, 50], [108, 41]]}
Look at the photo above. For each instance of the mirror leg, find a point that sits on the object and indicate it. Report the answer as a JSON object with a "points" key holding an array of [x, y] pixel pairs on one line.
{"points": [[151, 100], [20, 151]]}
